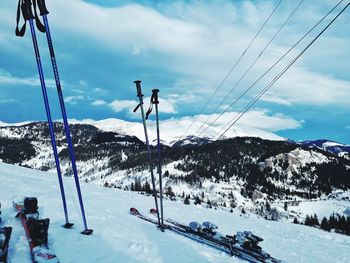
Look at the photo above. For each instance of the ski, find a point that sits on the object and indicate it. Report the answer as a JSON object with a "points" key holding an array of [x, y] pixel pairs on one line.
{"points": [[36, 230], [244, 244], [5, 235], [207, 235]]}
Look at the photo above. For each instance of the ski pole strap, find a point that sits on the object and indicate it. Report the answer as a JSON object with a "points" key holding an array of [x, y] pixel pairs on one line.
{"points": [[139, 94], [38, 23], [42, 7], [25, 8], [20, 32], [137, 107], [154, 100], [150, 107]]}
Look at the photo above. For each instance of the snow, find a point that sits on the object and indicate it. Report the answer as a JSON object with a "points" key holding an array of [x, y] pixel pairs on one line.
{"points": [[331, 144], [173, 130], [323, 208], [120, 237], [5, 124]]}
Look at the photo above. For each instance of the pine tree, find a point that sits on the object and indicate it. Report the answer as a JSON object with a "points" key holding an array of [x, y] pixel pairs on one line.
{"points": [[308, 221], [233, 203], [187, 200], [296, 221], [147, 188], [347, 226], [268, 206], [325, 224], [197, 201], [342, 223], [315, 221], [209, 203], [285, 206], [169, 192], [332, 221]]}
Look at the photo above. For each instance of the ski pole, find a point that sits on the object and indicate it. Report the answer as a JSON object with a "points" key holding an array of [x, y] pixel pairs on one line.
{"points": [[140, 95], [26, 7], [44, 12], [155, 101]]}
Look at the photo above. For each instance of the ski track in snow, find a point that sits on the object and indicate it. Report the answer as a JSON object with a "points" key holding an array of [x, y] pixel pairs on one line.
{"points": [[120, 237]]}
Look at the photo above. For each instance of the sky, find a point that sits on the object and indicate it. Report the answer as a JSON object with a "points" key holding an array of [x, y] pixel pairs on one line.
{"points": [[185, 49]]}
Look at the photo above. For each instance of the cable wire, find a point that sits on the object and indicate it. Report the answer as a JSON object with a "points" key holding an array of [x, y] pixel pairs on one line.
{"points": [[251, 65], [273, 65], [283, 72], [231, 70]]}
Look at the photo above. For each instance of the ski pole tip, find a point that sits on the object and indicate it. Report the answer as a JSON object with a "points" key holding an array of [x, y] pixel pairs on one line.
{"points": [[87, 232], [68, 225]]}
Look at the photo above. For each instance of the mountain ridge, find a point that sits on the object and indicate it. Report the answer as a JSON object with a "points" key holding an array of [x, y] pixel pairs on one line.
{"points": [[243, 172]]}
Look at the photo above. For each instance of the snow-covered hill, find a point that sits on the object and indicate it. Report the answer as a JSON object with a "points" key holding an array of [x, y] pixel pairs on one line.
{"points": [[173, 130], [119, 237], [330, 146], [242, 172]]}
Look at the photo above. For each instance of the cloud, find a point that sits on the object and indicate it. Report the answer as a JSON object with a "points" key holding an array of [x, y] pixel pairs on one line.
{"points": [[98, 103], [259, 123], [186, 48], [188, 97], [121, 105], [74, 99], [7, 79], [300, 86], [260, 119], [165, 106], [8, 100], [188, 39]]}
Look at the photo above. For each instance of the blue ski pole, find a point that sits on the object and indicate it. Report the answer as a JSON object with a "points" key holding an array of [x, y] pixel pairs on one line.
{"points": [[43, 12], [26, 8]]}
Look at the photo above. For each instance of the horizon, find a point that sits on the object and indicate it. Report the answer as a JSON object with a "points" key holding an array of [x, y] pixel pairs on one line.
{"points": [[152, 125], [100, 55]]}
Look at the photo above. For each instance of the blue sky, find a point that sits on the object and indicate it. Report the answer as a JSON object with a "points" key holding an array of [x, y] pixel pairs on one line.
{"points": [[184, 48]]}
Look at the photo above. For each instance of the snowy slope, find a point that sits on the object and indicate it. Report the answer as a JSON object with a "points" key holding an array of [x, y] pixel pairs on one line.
{"points": [[119, 237]]}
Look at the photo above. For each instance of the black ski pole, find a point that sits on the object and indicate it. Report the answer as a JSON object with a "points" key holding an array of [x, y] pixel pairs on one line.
{"points": [[155, 101], [44, 12], [25, 6], [140, 105]]}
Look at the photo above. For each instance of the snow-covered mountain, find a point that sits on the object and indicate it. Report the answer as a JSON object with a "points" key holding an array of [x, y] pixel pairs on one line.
{"points": [[173, 130], [241, 172], [330, 146], [120, 237]]}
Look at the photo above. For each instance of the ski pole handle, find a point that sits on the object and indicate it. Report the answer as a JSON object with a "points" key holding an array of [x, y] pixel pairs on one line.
{"points": [[155, 96], [27, 10], [42, 7], [138, 88]]}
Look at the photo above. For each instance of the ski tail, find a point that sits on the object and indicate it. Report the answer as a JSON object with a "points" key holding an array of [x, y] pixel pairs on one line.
{"points": [[5, 236], [134, 211], [36, 230]]}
